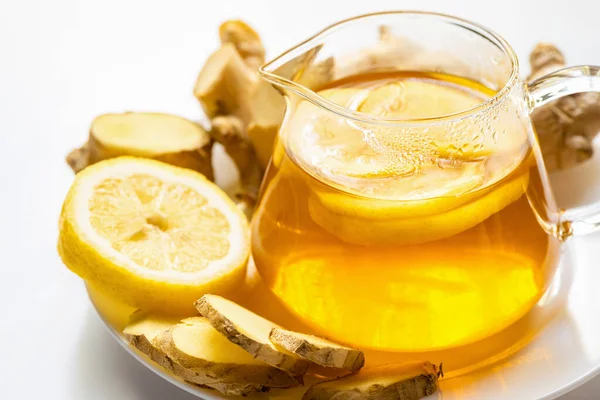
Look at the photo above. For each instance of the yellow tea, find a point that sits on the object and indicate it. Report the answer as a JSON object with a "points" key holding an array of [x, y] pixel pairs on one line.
{"points": [[403, 240]]}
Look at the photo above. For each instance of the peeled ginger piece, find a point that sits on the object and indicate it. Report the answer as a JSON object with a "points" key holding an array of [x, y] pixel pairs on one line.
{"points": [[406, 381], [320, 351], [223, 81], [250, 332]]}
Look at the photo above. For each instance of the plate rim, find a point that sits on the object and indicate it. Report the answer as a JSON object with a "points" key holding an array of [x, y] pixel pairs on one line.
{"points": [[146, 362]]}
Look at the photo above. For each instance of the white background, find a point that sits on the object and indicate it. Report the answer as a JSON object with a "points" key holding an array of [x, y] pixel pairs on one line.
{"points": [[62, 62]]}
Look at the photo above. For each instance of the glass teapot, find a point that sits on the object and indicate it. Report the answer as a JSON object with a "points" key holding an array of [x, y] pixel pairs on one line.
{"points": [[406, 206]]}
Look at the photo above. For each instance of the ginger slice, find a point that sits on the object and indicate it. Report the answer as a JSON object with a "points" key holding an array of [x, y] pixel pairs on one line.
{"points": [[318, 350], [224, 81], [201, 355], [142, 329], [161, 137], [249, 331], [410, 381]]}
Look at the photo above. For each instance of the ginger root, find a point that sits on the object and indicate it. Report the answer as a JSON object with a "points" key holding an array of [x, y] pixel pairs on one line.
{"points": [[320, 351], [410, 381], [229, 85], [224, 82], [266, 108], [249, 331], [161, 137], [246, 41], [229, 131], [565, 127]]}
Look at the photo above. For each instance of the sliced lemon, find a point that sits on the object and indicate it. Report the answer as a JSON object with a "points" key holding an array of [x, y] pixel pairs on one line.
{"points": [[418, 99], [348, 153], [367, 221], [401, 183], [155, 236], [445, 193], [333, 144]]}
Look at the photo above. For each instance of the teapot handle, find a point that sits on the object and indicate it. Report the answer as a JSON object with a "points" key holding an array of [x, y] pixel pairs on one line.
{"points": [[564, 82]]}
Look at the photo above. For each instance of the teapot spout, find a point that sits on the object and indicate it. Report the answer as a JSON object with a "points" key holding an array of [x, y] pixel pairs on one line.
{"points": [[302, 69]]}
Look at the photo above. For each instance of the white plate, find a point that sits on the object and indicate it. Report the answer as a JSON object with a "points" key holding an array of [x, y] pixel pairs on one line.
{"points": [[563, 354]]}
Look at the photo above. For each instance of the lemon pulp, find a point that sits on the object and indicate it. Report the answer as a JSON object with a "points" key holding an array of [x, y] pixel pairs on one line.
{"points": [[151, 235], [159, 225]]}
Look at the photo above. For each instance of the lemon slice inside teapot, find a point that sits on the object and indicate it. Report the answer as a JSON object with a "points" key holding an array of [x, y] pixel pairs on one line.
{"points": [[382, 181]]}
